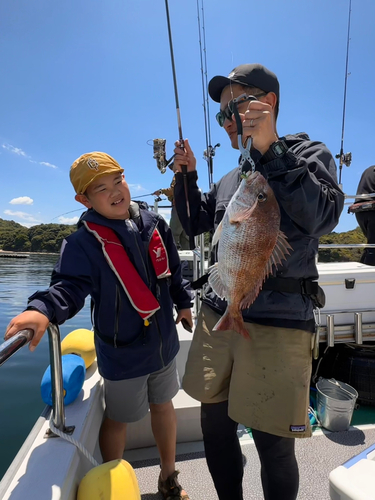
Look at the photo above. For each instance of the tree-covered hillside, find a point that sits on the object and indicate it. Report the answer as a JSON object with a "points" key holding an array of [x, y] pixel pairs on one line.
{"points": [[48, 238], [41, 238], [353, 237]]}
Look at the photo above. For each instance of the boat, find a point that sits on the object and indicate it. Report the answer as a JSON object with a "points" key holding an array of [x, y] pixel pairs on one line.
{"points": [[52, 467]]}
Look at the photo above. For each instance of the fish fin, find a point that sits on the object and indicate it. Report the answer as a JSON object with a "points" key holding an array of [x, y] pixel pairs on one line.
{"points": [[279, 253], [230, 322], [251, 296], [215, 282], [240, 215], [217, 234]]}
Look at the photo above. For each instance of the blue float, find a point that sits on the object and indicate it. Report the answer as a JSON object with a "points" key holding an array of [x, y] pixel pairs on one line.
{"points": [[73, 374]]}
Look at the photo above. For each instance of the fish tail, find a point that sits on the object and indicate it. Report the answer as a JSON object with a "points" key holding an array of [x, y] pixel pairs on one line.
{"points": [[232, 322]]}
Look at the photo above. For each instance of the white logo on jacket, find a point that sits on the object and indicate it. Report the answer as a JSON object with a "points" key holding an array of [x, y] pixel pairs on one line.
{"points": [[157, 252]]}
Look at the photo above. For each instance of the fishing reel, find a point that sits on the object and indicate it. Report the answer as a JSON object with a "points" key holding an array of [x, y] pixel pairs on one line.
{"points": [[345, 159], [210, 152], [160, 155]]}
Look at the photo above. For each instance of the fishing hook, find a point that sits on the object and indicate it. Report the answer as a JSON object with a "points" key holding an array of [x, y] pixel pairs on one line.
{"points": [[245, 150]]}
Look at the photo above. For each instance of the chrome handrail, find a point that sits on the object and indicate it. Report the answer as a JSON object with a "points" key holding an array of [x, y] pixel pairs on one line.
{"points": [[58, 413], [343, 245], [360, 196], [21, 338], [12, 345]]}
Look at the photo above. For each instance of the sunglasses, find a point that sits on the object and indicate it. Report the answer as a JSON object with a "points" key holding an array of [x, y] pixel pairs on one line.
{"points": [[227, 112]]}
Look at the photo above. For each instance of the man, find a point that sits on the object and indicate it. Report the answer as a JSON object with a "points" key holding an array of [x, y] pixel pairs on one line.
{"points": [[365, 213], [262, 383], [180, 237]]}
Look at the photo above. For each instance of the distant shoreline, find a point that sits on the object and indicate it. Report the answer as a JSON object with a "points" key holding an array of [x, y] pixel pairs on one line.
{"points": [[29, 253]]}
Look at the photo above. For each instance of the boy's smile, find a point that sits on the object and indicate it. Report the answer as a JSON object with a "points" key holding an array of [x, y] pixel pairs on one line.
{"points": [[108, 195]]}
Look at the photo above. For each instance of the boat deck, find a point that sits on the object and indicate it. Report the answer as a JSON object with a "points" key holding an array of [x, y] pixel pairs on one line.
{"points": [[317, 457]]}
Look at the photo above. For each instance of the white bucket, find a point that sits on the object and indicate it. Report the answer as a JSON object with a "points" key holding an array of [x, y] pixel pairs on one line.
{"points": [[335, 404]]}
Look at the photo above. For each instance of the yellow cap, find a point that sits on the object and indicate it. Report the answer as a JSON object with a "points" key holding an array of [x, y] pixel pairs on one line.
{"points": [[91, 166]]}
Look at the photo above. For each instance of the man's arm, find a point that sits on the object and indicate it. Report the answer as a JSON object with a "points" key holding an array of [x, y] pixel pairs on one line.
{"points": [[202, 205], [306, 188]]}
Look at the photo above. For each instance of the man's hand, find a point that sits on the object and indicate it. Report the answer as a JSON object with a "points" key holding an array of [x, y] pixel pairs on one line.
{"points": [[185, 314], [258, 123], [157, 193], [34, 320], [184, 157]]}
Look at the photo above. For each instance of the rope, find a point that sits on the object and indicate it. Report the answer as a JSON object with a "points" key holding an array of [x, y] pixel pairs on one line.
{"points": [[73, 441], [312, 412]]}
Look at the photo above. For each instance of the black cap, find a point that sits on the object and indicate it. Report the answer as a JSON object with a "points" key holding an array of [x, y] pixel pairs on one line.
{"points": [[250, 75]]}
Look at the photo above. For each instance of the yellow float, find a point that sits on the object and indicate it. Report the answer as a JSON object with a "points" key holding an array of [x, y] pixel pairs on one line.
{"points": [[113, 480], [81, 343]]}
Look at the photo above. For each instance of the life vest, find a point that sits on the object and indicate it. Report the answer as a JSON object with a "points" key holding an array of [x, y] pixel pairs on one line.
{"points": [[138, 293]]}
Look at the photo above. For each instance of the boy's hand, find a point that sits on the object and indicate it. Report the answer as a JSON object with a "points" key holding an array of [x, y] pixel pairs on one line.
{"points": [[185, 314], [34, 320]]}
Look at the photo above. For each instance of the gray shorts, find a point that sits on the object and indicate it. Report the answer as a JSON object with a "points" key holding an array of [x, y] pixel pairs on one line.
{"points": [[128, 400]]}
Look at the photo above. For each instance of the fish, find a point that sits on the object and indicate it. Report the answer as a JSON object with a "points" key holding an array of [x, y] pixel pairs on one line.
{"points": [[251, 247]]}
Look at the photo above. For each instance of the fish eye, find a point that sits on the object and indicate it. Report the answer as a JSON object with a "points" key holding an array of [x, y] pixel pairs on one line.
{"points": [[262, 197]]}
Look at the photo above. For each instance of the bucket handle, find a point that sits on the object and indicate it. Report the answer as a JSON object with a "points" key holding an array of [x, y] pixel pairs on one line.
{"points": [[334, 382]]}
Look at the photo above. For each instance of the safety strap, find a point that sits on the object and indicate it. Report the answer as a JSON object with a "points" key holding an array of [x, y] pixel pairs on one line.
{"points": [[291, 285], [138, 293]]}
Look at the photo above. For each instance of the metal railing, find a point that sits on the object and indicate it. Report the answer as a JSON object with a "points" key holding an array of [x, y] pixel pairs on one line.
{"points": [[23, 337], [11, 346], [344, 245]]}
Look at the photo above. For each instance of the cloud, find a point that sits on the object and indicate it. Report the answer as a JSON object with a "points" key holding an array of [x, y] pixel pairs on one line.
{"points": [[45, 163], [26, 224], [23, 216], [165, 213], [20, 152], [22, 200], [17, 151], [68, 220], [136, 187]]}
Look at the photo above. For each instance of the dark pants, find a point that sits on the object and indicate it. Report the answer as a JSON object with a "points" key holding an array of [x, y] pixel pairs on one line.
{"points": [[279, 469], [366, 221]]}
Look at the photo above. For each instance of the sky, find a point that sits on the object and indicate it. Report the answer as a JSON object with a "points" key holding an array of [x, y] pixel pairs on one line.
{"points": [[86, 75]]}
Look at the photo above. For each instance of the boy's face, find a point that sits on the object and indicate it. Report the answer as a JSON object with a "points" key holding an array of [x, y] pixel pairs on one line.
{"points": [[108, 195]]}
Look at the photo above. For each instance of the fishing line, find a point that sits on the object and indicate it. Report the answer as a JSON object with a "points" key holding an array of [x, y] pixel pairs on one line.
{"points": [[80, 209], [76, 210], [345, 159], [209, 153]]}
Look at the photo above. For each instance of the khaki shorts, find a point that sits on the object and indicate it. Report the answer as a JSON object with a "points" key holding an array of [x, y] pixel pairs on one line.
{"points": [[266, 380], [128, 400]]}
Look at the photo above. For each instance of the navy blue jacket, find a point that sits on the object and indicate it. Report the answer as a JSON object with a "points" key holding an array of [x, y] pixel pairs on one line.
{"points": [[305, 186], [125, 347]]}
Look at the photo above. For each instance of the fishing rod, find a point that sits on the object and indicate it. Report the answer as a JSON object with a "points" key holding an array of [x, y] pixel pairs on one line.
{"points": [[181, 137], [209, 153], [80, 209], [345, 159]]}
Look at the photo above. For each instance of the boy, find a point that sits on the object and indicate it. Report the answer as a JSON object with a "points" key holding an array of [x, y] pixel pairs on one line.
{"points": [[125, 258]]}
